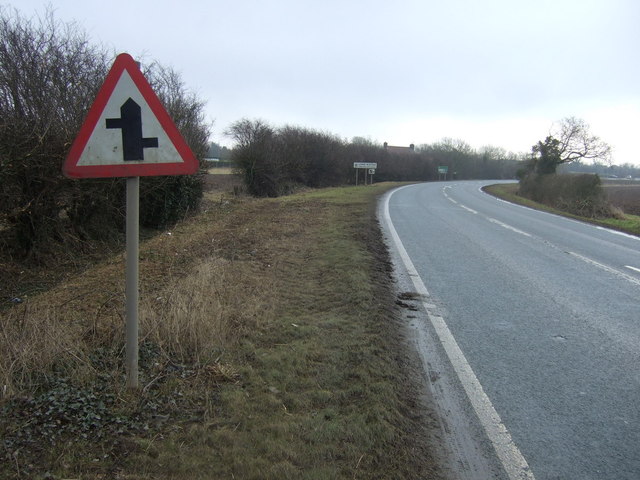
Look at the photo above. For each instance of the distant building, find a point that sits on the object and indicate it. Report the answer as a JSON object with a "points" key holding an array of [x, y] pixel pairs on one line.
{"points": [[410, 150]]}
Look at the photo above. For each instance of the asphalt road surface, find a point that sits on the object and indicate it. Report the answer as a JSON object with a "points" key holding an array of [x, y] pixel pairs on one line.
{"points": [[546, 311]]}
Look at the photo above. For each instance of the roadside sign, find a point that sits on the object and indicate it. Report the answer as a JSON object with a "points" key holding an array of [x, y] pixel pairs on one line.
{"points": [[127, 132], [364, 165], [443, 170], [369, 167]]}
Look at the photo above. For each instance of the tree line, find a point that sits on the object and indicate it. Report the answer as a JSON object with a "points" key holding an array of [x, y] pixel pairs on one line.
{"points": [[276, 160]]}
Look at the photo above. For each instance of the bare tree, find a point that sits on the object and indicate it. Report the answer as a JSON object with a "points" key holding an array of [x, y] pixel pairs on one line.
{"points": [[569, 141], [246, 132], [253, 157], [577, 143]]}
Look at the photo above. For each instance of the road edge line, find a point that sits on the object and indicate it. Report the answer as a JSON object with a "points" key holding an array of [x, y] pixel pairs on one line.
{"points": [[512, 460]]}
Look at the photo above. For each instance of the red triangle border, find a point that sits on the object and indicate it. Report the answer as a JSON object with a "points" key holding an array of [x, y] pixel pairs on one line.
{"points": [[71, 169]]}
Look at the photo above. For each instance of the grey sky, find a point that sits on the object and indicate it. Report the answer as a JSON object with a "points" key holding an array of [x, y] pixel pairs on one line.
{"points": [[494, 72]]}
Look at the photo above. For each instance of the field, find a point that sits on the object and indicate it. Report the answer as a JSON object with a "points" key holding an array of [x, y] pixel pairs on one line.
{"points": [[271, 348], [220, 171], [625, 196]]}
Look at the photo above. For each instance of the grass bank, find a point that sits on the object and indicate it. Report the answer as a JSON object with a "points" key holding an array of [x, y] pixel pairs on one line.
{"points": [[623, 222], [270, 348]]}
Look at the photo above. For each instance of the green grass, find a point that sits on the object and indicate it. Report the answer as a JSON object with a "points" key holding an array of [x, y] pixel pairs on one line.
{"points": [[628, 223]]}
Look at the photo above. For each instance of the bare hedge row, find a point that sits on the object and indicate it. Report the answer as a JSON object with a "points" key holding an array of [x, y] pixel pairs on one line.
{"points": [[274, 161], [580, 194], [49, 75]]}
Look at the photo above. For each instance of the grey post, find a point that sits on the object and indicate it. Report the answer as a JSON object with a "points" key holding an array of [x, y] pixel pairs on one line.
{"points": [[131, 283]]}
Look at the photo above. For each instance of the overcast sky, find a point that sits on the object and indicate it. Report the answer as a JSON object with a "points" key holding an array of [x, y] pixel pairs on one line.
{"points": [[496, 72]]}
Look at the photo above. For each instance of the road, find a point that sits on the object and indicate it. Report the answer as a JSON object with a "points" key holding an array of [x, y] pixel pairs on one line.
{"points": [[546, 314]]}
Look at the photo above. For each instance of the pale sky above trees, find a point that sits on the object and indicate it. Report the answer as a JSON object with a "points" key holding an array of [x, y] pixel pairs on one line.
{"points": [[497, 72]]}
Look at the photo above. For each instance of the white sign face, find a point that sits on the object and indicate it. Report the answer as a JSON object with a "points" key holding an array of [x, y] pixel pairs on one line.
{"points": [[105, 146], [364, 165]]}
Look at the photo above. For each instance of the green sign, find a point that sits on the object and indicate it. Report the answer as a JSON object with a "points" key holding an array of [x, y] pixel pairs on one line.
{"points": [[443, 170]]}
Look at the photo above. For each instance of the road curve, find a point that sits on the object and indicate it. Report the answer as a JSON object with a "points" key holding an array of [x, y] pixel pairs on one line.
{"points": [[545, 310]]}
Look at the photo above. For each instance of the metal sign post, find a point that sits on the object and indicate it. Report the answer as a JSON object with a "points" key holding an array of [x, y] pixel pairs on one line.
{"points": [[131, 280]]}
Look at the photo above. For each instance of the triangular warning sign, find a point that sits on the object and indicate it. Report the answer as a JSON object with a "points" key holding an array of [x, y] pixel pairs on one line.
{"points": [[127, 132]]}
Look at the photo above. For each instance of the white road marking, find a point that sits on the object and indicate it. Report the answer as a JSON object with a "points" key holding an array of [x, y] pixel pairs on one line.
{"points": [[492, 220], [607, 268], [444, 192], [446, 195], [616, 232], [469, 209], [508, 227], [633, 268], [610, 230], [508, 453]]}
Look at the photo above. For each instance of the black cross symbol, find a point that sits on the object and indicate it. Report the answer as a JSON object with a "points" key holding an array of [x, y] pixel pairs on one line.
{"points": [[130, 122]]}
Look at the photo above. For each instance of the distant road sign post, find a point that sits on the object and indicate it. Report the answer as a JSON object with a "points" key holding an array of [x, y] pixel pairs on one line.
{"points": [[128, 133], [370, 166], [443, 170]]}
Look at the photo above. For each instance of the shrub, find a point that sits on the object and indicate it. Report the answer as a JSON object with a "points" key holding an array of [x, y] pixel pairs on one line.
{"points": [[275, 162], [49, 75], [578, 194], [165, 200]]}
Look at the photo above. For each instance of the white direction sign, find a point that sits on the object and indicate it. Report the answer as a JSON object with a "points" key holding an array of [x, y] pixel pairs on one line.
{"points": [[364, 165]]}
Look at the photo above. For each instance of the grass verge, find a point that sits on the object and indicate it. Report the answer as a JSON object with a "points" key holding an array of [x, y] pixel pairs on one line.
{"points": [[624, 222], [270, 348]]}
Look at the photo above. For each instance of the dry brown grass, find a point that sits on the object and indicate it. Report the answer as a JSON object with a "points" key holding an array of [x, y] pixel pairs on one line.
{"points": [[32, 340], [205, 313]]}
